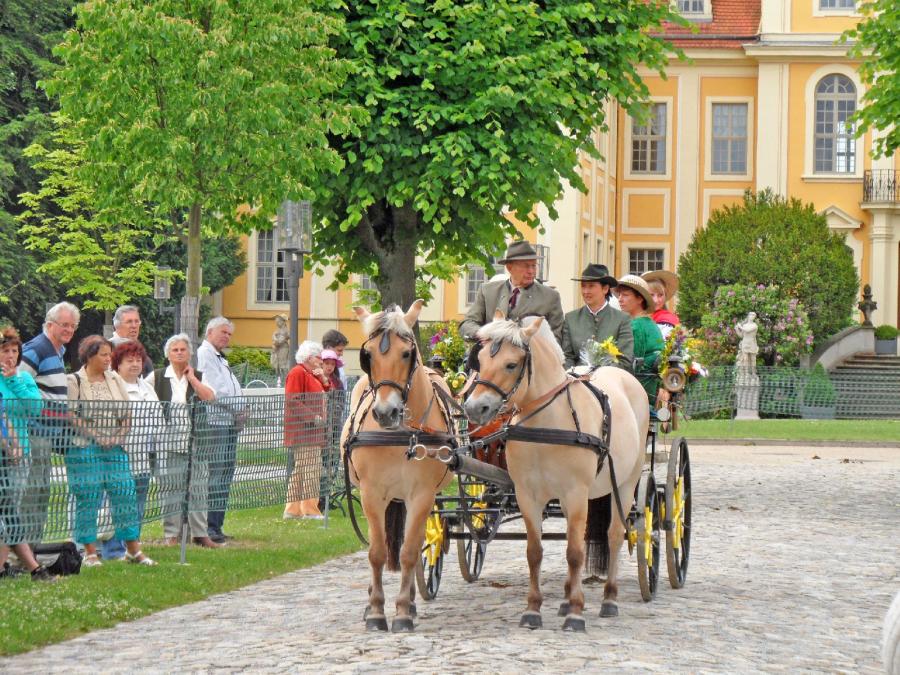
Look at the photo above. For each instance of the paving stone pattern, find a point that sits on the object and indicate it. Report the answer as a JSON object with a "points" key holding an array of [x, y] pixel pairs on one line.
{"points": [[793, 566]]}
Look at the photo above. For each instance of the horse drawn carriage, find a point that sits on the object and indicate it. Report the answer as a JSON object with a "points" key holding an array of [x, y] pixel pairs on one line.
{"points": [[530, 442]]}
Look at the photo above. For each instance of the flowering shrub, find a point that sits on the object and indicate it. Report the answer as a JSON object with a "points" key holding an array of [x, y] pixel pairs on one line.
{"points": [[784, 332], [443, 341]]}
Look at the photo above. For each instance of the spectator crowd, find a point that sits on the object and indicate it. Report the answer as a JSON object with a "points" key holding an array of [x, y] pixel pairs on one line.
{"points": [[116, 423]]}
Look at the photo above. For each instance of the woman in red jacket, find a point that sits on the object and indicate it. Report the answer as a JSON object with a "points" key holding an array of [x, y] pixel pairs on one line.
{"points": [[663, 285], [305, 413]]}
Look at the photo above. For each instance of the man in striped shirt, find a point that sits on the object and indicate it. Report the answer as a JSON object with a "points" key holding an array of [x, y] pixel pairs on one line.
{"points": [[42, 357]]}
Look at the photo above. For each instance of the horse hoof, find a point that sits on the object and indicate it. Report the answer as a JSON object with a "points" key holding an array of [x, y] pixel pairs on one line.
{"points": [[609, 609], [404, 625], [574, 624], [413, 612], [377, 623], [563, 609], [531, 620]]}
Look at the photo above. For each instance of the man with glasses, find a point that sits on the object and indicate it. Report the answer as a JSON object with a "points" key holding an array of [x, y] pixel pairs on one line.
{"points": [[42, 358]]}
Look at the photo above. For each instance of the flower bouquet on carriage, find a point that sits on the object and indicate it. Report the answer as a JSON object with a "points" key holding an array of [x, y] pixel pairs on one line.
{"points": [[448, 350], [595, 354]]}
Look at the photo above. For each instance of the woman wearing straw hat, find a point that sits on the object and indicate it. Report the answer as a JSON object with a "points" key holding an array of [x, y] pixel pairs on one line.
{"points": [[597, 319], [636, 301], [663, 286]]}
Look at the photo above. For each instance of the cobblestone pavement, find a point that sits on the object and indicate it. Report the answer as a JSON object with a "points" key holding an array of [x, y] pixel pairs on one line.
{"points": [[793, 566]]}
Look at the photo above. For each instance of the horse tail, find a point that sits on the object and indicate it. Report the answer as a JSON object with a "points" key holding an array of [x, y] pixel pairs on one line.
{"points": [[596, 535], [394, 525]]}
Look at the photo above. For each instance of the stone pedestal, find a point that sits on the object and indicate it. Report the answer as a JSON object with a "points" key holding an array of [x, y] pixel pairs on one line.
{"points": [[746, 394]]}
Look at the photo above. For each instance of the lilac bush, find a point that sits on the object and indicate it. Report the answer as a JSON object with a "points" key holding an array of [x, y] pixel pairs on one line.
{"points": [[784, 333]]}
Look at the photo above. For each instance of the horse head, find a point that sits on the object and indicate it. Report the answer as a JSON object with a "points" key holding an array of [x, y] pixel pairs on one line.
{"points": [[504, 365], [389, 358]]}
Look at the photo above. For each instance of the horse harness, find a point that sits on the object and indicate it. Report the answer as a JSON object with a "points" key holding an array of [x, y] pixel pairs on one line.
{"points": [[549, 436]]}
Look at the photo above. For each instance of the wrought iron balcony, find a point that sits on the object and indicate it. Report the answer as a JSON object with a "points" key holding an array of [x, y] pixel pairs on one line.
{"points": [[881, 185]]}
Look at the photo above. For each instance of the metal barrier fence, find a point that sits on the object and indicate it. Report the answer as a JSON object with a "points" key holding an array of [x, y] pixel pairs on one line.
{"points": [[87, 469], [797, 392]]}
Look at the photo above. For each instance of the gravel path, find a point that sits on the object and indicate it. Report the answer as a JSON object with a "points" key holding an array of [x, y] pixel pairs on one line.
{"points": [[794, 563]]}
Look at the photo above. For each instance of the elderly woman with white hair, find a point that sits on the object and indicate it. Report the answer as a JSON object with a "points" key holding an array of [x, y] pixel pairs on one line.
{"points": [[305, 413], [179, 387]]}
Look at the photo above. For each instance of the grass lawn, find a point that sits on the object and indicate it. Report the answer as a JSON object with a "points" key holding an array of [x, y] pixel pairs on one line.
{"points": [[265, 546], [887, 431]]}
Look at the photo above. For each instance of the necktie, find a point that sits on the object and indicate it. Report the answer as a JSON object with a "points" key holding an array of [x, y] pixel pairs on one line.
{"points": [[513, 298]]}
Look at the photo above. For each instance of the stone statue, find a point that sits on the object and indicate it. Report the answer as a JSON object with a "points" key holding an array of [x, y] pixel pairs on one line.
{"points": [[280, 357], [748, 349]]}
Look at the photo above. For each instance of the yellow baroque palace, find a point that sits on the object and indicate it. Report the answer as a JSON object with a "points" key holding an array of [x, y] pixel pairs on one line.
{"points": [[761, 104]]}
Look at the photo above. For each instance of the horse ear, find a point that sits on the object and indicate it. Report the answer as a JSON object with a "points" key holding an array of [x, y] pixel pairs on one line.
{"points": [[530, 330], [361, 313], [412, 314], [499, 315]]}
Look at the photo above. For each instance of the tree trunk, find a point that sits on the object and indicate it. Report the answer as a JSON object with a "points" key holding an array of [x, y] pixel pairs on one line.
{"points": [[190, 303], [397, 269]]}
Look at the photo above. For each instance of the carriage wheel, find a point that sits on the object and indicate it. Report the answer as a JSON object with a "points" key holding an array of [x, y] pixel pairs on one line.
{"points": [[431, 565], [678, 513], [480, 518], [470, 554], [647, 525]]}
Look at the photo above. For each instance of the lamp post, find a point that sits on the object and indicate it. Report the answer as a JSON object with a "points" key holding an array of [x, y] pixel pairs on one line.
{"points": [[162, 292], [293, 235]]}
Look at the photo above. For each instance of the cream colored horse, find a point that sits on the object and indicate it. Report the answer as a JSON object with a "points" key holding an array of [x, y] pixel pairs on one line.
{"points": [[396, 396], [521, 365]]}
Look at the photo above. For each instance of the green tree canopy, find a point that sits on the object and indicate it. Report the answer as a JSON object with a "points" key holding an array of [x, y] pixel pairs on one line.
{"points": [[770, 241], [876, 40], [193, 108], [93, 252], [475, 108]]}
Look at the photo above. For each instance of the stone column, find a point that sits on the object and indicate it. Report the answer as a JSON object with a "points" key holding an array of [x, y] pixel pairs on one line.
{"points": [[885, 237]]}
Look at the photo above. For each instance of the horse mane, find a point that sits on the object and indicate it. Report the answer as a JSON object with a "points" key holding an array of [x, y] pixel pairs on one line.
{"points": [[513, 332], [391, 319]]}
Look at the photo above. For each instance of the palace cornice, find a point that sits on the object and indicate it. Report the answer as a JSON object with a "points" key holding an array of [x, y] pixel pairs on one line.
{"points": [[814, 49]]}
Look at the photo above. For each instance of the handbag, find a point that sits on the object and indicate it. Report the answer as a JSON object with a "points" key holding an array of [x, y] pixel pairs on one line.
{"points": [[60, 559]]}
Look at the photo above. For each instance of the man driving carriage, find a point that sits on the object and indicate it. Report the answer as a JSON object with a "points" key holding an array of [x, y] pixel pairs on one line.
{"points": [[518, 296]]}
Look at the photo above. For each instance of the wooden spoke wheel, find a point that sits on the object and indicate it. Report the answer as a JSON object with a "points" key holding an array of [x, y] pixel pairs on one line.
{"points": [[647, 525], [431, 564], [471, 554], [677, 518]]}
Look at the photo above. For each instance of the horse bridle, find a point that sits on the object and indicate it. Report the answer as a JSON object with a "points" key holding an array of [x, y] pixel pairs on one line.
{"points": [[526, 367], [384, 344]]}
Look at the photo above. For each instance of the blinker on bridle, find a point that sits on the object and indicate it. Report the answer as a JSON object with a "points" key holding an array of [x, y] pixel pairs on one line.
{"points": [[384, 345], [526, 366]]}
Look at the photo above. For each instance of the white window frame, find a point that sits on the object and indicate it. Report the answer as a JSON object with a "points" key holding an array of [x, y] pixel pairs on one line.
{"points": [[362, 281], [252, 266], [640, 175], [820, 11], [644, 246], [809, 174], [469, 270], [751, 136], [703, 15]]}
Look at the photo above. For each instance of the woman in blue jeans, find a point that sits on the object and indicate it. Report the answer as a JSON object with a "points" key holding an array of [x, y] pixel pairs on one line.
{"points": [[97, 460]]}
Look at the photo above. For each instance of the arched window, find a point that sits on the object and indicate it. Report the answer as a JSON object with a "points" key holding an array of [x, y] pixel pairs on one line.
{"points": [[835, 146]]}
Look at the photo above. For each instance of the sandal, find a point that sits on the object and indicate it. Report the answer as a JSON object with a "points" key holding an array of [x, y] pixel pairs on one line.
{"points": [[91, 560], [139, 559]]}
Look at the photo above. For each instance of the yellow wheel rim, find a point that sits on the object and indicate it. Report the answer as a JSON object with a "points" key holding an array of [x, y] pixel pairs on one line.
{"points": [[434, 538], [648, 536], [678, 513]]}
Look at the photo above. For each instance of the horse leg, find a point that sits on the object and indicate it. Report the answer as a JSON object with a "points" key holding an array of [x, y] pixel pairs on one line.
{"points": [[414, 537], [374, 615], [575, 525], [532, 512]]}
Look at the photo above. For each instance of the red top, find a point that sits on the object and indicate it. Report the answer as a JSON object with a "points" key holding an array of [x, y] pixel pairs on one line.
{"points": [[665, 317], [305, 408]]}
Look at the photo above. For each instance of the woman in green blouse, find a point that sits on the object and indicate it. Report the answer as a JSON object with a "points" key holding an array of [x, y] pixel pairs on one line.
{"points": [[636, 301]]}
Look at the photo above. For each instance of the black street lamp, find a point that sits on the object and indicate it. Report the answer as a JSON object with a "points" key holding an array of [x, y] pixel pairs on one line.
{"points": [[293, 235]]}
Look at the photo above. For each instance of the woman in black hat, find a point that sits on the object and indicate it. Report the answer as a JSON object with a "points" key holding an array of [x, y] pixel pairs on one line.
{"points": [[597, 319]]}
